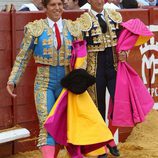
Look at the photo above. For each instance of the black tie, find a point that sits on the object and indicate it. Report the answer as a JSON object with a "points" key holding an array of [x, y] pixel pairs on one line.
{"points": [[102, 23]]}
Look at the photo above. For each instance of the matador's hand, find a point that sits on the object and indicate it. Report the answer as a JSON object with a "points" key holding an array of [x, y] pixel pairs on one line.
{"points": [[10, 89], [123, 56]]}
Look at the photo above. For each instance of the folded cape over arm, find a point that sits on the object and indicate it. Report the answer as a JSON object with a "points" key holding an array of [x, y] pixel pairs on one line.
{"points": [[132, 101]]}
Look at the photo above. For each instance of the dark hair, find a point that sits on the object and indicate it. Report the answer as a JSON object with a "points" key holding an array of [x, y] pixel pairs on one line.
{"points": [[129, 4], [45, 2], [82, 2]]}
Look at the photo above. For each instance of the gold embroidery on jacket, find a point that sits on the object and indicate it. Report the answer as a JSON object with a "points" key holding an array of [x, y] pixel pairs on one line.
{"points": [[83, 23], [109, 39], [36, 28], [32, 31]]}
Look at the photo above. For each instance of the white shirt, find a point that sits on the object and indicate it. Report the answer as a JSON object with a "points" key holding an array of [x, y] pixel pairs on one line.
{"points": [[111, 6], [95, 14], [147, 2], [60, 27], [106, 5], [31, 7], [86, 6]]}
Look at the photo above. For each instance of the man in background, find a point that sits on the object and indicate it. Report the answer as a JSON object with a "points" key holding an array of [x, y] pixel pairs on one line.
{"points": [[118, 3], [101, 58], [111, 4], [36, 5], [128, 4], [73, 4]]}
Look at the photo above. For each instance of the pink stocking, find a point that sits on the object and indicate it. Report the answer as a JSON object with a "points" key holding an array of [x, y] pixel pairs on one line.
{"points": [[48, 151], [112, 128]]}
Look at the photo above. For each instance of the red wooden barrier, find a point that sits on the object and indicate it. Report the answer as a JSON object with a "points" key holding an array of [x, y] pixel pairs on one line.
{"points": [[142, 14], [153, 57], [6, 108], [6, 149]]}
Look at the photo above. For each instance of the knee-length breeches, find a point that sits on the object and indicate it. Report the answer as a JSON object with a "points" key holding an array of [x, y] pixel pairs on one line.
{"points": [[105, 77], [47, 88]]}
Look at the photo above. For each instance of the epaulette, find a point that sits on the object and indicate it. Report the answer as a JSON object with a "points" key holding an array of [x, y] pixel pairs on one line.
{"points": [[35, 28], [83, 23], [114, 15]]}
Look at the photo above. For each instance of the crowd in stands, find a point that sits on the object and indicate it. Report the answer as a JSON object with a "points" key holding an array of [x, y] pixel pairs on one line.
{"points": [[124, 4], [36, 5], [115, 4]]}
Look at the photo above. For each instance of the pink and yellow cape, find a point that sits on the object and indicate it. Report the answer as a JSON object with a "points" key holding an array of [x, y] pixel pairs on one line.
{"points": [[74, 120]]}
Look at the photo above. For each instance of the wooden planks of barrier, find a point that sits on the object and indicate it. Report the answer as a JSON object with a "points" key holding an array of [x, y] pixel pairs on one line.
{"points": [[6, 104], [153, 56]]}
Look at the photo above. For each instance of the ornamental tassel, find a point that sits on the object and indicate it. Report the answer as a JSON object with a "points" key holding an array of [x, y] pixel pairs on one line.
{"points": [[117, 26], [36, 41]]}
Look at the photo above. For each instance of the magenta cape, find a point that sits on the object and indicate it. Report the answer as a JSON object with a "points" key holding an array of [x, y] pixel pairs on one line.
{"points": [[132, 101]]}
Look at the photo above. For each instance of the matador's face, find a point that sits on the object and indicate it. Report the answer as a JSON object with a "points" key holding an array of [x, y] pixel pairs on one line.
{"points": [[97, 5], [54, 9]]}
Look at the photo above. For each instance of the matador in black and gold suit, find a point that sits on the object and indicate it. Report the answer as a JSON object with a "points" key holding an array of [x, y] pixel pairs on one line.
{"points": [[102, 59]]}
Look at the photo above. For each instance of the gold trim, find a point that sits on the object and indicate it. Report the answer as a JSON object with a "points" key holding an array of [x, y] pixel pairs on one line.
{"points": [[83, 23], [35, 28], [114, 15]]}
